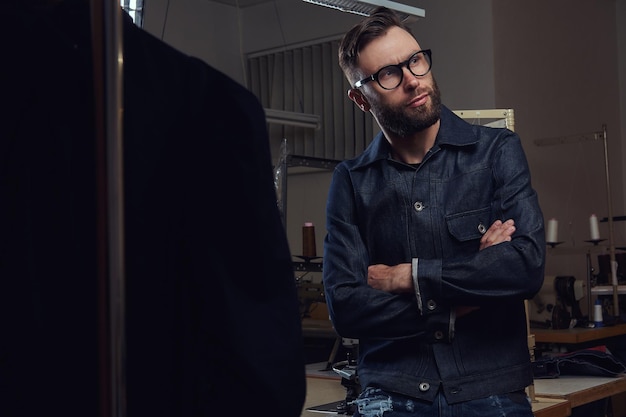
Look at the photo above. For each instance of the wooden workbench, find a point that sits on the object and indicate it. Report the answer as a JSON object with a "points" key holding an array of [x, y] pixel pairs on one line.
{"points": [[580, 390], [551, 407], [323, 390]]}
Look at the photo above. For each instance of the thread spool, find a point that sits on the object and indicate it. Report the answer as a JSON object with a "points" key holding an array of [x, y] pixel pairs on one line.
{"points": [[593, 227], [597, 313], [308, 240], [552, 233]]}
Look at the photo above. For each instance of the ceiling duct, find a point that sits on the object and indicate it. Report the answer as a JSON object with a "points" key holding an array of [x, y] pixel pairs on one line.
{"points": [[290, 118], [366, 7]]}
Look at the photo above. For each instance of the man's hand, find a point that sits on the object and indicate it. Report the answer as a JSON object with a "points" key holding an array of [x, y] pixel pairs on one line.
{"points": [[498, 232], [394, 279]]}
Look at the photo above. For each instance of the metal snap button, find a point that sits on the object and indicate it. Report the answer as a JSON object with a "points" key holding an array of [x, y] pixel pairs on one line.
{"points": [[438, 335], [424, 386], [481, 228], [418, 206], [431, 304]]}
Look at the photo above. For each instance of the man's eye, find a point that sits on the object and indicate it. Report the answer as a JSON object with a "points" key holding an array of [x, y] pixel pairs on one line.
{"points": [[387, 72]]}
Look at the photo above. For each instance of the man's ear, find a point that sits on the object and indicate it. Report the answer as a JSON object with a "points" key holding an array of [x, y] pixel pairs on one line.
{"points": [[360, 100]]}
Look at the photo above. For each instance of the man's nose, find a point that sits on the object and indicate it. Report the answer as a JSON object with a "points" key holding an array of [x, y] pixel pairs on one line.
{"points": [[408, 78]]}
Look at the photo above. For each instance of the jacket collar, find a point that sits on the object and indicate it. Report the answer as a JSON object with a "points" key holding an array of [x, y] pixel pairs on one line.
{"points": [[453, 131]]}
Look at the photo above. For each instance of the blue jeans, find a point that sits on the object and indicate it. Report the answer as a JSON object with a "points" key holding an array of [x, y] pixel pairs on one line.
{"points": [[374, 402]]}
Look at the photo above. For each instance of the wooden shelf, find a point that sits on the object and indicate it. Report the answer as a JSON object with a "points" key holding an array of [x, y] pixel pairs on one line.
{"points": [[318, 328], [577, 334]]}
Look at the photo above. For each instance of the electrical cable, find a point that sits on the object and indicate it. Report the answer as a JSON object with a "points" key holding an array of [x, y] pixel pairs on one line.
{"points": [[167, 12]]}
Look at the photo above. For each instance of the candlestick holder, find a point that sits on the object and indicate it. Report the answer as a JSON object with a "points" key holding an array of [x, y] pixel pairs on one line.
{"points": [[553, 244], [595, 241], [307, 258]]}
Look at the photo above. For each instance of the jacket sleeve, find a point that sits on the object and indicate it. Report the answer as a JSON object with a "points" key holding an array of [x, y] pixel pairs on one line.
{"points": [[507, 271]]}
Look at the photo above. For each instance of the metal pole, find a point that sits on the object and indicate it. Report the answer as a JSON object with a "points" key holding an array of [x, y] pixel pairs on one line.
{"points": [[115, 60], [588, 290], [284, 167], [610, 220], [107, 41]]}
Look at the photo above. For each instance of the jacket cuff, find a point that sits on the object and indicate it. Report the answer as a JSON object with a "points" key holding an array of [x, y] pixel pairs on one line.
{"points": [[416, 285], [452, 324]]}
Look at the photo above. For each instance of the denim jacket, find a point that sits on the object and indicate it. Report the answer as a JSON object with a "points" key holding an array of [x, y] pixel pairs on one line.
{"points": [[381, 211]]}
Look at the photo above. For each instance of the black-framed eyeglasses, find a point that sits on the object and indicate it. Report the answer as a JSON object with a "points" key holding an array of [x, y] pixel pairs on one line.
{"points": [[391, 76]]}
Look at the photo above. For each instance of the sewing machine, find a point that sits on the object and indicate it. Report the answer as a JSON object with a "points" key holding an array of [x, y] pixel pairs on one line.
{"points": [[556, 305]]}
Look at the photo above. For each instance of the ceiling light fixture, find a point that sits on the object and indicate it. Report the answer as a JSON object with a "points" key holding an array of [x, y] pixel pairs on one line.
{"points": [[290, 118], [366, 7]]}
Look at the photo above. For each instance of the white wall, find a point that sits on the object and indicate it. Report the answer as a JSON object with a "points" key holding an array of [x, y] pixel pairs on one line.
{"points": [[468, 46], [560, 64], [556, 65], [205, 29]]}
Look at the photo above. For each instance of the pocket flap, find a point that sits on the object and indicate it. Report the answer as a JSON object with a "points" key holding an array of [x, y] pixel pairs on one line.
{"points": [[469, 224]]}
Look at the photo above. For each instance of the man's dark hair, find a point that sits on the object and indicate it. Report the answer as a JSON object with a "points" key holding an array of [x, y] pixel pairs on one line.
{"points": [[362, 34]]}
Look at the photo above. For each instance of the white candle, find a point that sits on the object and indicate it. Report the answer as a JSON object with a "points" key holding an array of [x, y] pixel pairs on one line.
{"points": [[553, 226], [593, 226]]}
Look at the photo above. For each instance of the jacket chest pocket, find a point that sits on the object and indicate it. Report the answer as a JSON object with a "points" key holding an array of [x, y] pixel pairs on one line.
{"points": [[469, 225]]}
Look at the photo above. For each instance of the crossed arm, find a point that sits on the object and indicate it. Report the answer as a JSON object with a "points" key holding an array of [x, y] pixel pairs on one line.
{"points": [[398, 279]]}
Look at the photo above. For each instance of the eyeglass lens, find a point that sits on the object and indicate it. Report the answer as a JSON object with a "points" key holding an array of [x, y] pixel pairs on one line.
{"points": [[390, 76]]}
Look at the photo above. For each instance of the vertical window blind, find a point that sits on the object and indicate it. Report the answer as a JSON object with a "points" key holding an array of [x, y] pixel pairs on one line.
{"points": [[308, 79], [135, 9]]}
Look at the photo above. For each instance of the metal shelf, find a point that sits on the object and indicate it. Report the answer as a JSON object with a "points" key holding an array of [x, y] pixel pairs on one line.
{"points": [[607, 289]]}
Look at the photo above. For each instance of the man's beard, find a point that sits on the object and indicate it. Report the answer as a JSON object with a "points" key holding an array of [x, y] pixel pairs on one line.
{"points": [[404, 123]]}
